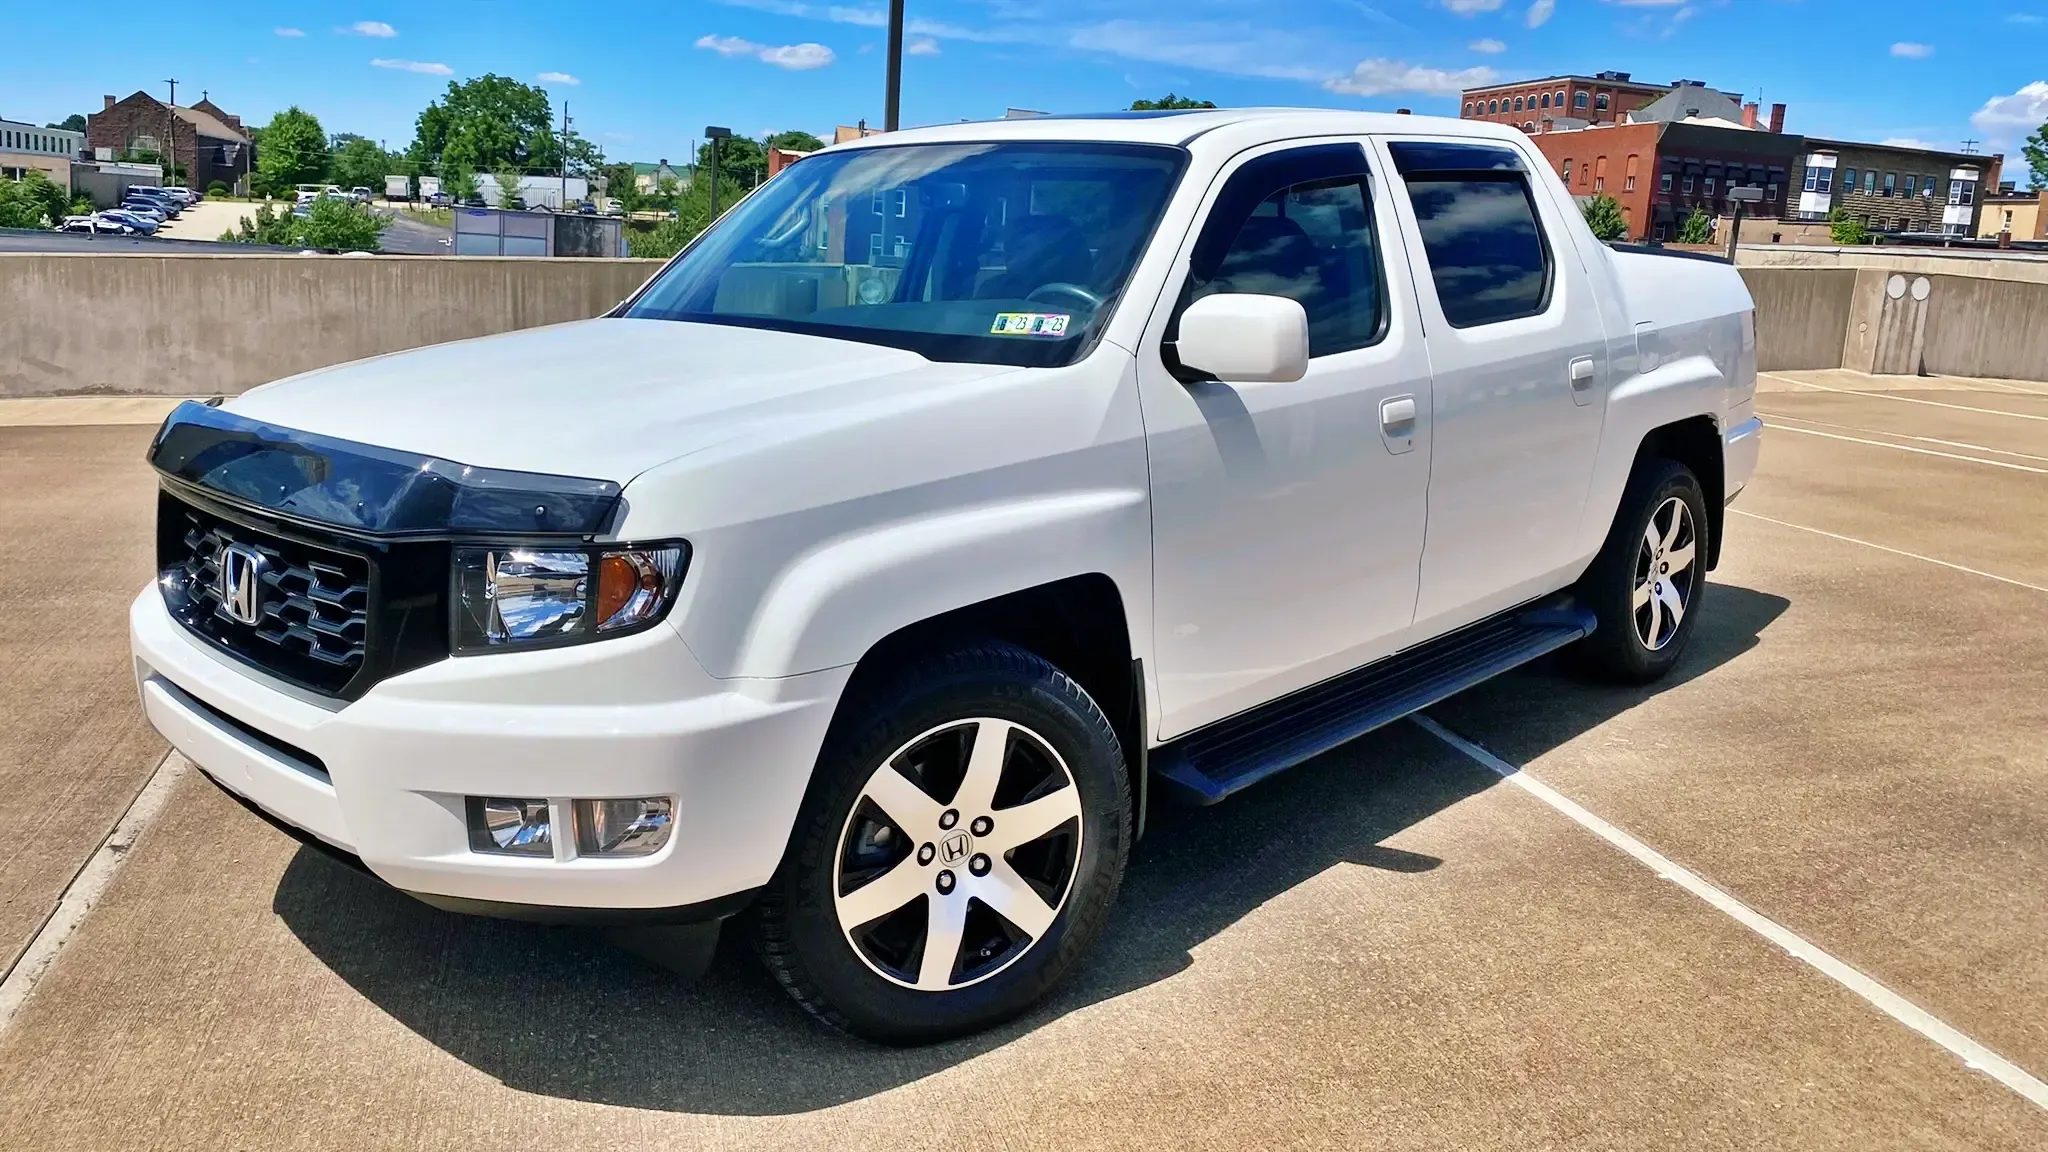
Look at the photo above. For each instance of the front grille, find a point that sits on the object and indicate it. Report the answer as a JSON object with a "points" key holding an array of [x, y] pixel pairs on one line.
{"points": [[313, 605]]}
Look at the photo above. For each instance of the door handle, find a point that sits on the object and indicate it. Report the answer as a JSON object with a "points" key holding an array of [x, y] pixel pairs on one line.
{"points": [[1582, 379], [1397, 423]]}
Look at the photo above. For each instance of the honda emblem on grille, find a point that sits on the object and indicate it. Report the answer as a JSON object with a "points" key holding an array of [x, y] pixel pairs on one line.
{"points": [[241, 583]]}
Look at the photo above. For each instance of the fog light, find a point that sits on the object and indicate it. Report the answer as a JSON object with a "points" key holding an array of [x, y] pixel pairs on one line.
{"points": [[510, 827], [622, 827]]}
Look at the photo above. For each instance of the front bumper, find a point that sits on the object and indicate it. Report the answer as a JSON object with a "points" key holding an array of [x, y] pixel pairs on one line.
{"points": [[384, 778]]}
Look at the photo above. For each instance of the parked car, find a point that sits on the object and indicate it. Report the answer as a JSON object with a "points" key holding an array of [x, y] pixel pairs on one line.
{"points": [[132, 221], [611, 206], [440, 200], [166, 205], [94, 223], [887, 612], [147, 209], [361, 195]]}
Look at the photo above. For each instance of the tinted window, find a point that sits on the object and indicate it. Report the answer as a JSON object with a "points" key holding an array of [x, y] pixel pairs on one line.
{"points": [[1486, 252], [1312, 243]]}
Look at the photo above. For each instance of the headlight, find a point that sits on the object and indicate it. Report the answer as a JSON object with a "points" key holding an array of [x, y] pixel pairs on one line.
{"points": [[533, 597]]}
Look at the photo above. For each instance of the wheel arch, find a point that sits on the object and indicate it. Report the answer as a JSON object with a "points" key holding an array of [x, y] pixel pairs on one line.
{"points": [[1079, 624], [1696, 443]]}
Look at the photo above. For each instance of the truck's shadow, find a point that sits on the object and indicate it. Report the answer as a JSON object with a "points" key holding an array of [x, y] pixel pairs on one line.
{"points": [[560, 1012]]}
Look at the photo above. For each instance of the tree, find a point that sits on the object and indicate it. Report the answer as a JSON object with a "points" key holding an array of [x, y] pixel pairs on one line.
{"points": [[1603, 216], [32, 202], [294, 152], [1169, 103], [742, 163], [342, 225], [795, 140], [621, 185], [1697, 229], [2035, 149], [1845, 229], [72, 123], [489, 124], [359, 163], [580, 157], [508, 189]]}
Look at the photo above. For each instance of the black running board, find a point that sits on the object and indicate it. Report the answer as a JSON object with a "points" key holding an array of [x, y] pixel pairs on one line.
{"points": [[1210, 763]]}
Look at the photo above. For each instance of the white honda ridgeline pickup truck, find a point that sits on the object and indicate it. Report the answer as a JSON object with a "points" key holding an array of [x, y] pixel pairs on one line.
{"points": [[871, 566]]}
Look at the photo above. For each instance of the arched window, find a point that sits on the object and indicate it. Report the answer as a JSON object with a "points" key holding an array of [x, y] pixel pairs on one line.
{"points": [[1560, 98], [1546, 99], [1468, 107], [1600, 102], [1579, 100], [1529, 127], [1492, 106], [1518, 103]]}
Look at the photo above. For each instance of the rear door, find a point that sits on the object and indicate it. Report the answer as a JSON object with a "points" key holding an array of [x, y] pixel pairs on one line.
{"points": [[1519, 373]]}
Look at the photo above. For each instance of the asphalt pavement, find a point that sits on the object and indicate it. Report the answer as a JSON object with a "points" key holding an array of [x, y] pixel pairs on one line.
{"points": [[1391, 947]]}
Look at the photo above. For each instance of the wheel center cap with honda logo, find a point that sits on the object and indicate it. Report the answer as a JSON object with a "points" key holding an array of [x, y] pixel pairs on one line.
{"points": [[955, 848]]}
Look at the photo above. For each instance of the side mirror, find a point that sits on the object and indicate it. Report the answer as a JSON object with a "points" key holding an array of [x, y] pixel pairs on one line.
{"points": [[1242, 338]]}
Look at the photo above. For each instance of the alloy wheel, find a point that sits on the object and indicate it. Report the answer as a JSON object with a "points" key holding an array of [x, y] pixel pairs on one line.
{"points": [[958, 855], [1664, 574]]}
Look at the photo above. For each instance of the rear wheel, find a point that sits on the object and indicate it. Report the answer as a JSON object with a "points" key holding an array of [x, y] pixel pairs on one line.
{"points": [[959, 851], [1646, 584]]}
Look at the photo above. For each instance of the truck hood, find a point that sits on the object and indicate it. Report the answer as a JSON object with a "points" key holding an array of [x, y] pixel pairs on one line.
{"points": [[605, 399]]}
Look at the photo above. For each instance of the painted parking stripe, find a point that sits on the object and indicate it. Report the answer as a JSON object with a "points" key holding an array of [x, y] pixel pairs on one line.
{"points": [[1975, 1056], [1893, 551], [1909, 448], [1777, 416], [1903, 399]]}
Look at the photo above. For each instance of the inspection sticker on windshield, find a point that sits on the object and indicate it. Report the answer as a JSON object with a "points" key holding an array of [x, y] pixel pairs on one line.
{"points": [[1030, 324]]}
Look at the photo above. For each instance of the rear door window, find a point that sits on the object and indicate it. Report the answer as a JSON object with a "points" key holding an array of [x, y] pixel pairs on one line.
{"points": [[1487, 252]]}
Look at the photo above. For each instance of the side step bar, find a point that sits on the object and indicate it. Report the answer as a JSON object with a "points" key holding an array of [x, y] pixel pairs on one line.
{"points": [[1210, 763]]}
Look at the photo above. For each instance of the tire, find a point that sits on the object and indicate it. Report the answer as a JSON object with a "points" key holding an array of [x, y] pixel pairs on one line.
{"points": [[887, 855], [1637, 642]]}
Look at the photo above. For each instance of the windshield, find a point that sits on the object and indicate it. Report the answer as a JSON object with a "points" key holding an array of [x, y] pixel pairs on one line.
{"points": [[983, 253]]}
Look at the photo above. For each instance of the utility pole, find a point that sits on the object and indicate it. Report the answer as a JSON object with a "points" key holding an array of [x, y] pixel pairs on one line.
{"points": [[565, 155], [171, 139], [892, 113], [717, 136]]}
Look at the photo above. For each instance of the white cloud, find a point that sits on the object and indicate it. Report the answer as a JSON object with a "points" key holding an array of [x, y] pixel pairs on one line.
{"points": [[2005, 117], [1473, 7], [1384, 77], [1487, 47], [558, 78], [1540, 13], [1909, 142], [921, 46], [1232, 49], [2026, 18], [1912, 51], [292, 32], [794, 57], [424, 68], [799, 57], [373, 28]]}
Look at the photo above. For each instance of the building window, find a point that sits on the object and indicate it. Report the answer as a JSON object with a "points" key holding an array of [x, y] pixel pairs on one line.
{"points": [[1770, 193], [1664, 182], [1579, 100], [1628, 183], [1600, 102], [878, 204], [1912, 183], [1492, 106], [1927, 189], [875, 248], [1848, 179], [1529, 126], [1518, 103], [1567, 170], [1812, 178], [1709, 188], [1962, 192], [902, 203], [1560, 98], [1827, 181], [1468, 107], [1688, 183], [1870, 181], [1891, 183], [1544, 100]]}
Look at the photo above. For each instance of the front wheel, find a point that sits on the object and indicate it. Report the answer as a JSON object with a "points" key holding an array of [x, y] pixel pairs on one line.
{"points": [[1645, 585], [960, 849]]}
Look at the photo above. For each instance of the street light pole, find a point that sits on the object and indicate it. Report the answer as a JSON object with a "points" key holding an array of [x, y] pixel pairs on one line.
{"points": [[717, 136], [892, 109], [171, 139]]}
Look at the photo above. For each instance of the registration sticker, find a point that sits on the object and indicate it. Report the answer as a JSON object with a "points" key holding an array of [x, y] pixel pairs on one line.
{"points": [[1030, 324]]}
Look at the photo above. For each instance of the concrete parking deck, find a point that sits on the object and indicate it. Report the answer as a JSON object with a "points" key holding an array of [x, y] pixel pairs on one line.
{"points": [[1387, 948]]}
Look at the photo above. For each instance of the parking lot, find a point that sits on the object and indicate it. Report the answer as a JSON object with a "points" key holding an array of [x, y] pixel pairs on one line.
{"points": [[1391, 947]]}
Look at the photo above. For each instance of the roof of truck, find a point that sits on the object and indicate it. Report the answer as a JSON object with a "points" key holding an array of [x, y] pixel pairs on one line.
{"points": [[1179, 127]]}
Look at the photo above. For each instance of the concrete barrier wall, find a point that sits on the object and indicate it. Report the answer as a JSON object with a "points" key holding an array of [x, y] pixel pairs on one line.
{"points": [[202, 324], [1990, 328], [1800, 315]]}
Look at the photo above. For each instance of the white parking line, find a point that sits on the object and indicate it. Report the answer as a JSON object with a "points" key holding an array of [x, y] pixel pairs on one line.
{"points": [[1902, 399], [1908, 448], [87, 887], [1777, 416], [1893, 551], [1974, 1055]]}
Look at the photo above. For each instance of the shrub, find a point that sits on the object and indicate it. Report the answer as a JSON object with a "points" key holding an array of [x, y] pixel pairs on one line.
{"points": [[1845, 230], [1603, 216], [217, 188]]}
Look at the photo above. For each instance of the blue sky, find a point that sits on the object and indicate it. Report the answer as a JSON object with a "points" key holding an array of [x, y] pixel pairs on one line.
{"points": [[644, 87]]}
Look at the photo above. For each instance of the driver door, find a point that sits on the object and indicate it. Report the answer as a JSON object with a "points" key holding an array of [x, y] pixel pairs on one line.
{"points": [[1287, 517]]}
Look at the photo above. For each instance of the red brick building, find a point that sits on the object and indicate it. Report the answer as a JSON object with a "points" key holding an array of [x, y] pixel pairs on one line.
{"points": [[1659, 171], [206, 143], [1603, 98]]}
